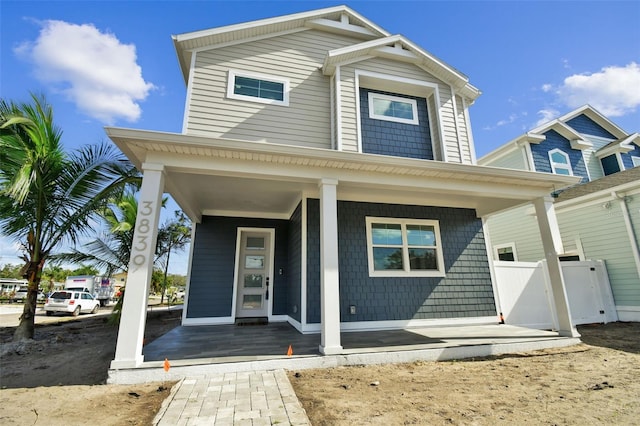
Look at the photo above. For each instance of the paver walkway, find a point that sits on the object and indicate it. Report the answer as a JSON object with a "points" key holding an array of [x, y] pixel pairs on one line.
{"points": [[246, 398]]}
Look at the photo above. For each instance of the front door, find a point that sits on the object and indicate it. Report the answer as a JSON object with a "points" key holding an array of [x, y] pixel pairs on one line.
{"points": [[253, 291]]}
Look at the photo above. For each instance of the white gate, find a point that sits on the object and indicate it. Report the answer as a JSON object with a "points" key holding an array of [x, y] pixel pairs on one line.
{"points": [[524, 293]]}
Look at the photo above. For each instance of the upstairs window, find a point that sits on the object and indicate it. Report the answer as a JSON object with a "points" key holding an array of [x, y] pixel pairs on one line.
{"points": [[404, 247], [560, 164], [258, 88], [393, 108], [506, 252]]}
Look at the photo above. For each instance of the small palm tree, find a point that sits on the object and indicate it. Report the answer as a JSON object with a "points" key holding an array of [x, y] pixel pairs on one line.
{"points": [[172, 236], [49, 198]]}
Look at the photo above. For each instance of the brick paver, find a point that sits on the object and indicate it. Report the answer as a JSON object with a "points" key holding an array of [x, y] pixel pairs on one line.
{"points": [[236, 399]]}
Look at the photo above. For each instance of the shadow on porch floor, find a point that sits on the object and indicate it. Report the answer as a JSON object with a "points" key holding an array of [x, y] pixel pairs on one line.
{"points": [[231, 343]]}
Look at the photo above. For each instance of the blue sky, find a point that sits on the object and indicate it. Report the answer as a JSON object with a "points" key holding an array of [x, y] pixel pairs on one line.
{"points": [[113, 62]]}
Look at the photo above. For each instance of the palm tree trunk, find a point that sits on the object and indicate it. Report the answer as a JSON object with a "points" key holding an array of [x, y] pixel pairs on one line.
{"points": [[26, 328]]}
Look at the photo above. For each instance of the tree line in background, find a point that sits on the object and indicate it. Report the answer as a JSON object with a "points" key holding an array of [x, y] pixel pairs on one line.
{"points": [[50, 198], [57, 274]]}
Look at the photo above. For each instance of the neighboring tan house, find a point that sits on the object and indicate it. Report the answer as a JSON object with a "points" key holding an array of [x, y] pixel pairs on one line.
{"points": [[329, 169], [598, 219]]}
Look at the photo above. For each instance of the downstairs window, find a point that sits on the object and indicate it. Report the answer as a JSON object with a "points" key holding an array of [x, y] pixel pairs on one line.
{"points": [[404, 247]]}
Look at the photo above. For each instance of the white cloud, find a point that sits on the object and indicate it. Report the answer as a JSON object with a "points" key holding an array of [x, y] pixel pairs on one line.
{"points": [[614, 91], [93, 69], [547, 115]]}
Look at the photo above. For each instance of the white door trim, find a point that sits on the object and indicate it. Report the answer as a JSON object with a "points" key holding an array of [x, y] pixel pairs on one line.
{"points": [[236, 269]]}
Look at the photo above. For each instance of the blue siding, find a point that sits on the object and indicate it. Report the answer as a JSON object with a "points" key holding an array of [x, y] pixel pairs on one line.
{"points": [[396, 139], [626, 157], [294, 272], [211, 284], [587, 126], [555, 140], [610, 165], [466, 291]]}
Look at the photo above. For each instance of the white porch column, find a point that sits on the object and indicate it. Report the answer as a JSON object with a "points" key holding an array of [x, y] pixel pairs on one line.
{"points": [[329, 278], [134, 307], [552, 245]]}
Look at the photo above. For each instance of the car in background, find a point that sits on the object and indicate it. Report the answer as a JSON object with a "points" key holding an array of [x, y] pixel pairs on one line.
{"points": [[21, 295], [73, 302]]}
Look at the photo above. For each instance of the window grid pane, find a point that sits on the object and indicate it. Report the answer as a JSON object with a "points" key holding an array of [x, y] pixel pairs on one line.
{"points": [[386, 258], [386, 234], [422, 259], [258, 88]]}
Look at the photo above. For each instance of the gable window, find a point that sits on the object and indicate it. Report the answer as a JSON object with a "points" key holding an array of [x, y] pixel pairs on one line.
{"points": [[258, 88], [560, 164], [404, 247], [393, 108], [506, 252]]}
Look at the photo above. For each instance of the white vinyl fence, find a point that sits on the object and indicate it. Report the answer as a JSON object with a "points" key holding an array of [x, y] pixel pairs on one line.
{"points": [[524, 293]]}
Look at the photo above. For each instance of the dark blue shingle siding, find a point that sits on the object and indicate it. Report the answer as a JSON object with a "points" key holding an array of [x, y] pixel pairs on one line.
{"points": [[294, 272], [396, 139], [540, 153], [585, 125], [626, 157], [466, 291], [213, 265]]}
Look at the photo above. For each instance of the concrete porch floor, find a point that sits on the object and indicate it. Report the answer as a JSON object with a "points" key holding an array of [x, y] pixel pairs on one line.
{"points": [[204, 350]]}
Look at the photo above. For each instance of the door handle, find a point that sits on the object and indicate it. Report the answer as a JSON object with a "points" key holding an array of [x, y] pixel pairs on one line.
{"points": [[266, 297]]}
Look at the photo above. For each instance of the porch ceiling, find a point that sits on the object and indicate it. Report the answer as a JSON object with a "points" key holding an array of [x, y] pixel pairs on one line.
{"points": [[222, 176]]}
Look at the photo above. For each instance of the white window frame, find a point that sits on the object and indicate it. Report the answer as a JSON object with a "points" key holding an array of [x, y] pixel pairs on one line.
{"points": [[412, 102], [232, 79], [406, 272], [512, 246], [555, 166], [635, 161]]}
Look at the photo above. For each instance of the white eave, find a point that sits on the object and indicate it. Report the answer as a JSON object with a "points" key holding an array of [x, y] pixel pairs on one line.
{"points": [[512, 145], [398, 48], [575, 139], [623, 145], [491, 188], [338, 19]]}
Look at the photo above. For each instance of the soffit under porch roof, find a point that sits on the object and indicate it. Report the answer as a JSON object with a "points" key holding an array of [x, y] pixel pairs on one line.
{"points": [[233, 177]]}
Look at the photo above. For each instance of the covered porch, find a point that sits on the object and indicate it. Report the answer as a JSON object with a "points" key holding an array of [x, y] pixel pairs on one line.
{"points": [[223, 178], [214, 349]]}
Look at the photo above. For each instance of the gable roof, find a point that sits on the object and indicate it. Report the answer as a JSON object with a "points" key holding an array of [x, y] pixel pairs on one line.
{"points": [[621, 145], [399, 48], [338, 19], [560, 126], [614, 182], [597, 117]]}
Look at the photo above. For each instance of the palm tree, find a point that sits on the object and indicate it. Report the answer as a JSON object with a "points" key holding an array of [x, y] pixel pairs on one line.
{"points": [[49, 198], [173, 235], [112, 250]]}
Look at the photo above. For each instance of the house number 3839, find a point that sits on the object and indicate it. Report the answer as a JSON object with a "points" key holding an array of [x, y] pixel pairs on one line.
{"points": [[143, 232]]}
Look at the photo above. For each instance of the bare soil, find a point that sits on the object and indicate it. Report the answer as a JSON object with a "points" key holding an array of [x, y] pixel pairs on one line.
{"points": [[61, 374], [597, 382], [59, 377]]}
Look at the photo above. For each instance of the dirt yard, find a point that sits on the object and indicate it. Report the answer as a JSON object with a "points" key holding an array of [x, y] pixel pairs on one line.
{"points": [[62, 373], [58, 379], [593, 383]]}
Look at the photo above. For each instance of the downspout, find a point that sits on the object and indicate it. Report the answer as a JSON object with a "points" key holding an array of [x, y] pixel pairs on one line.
{"points": [[633, 240]]}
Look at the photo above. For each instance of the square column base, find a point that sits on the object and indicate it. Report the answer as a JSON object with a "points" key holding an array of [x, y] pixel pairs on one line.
{"points": [[117, 364], [330, 350]]}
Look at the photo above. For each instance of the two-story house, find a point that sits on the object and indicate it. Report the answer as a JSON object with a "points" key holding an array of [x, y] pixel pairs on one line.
{"points": [[329, 170], [599, 219]]}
